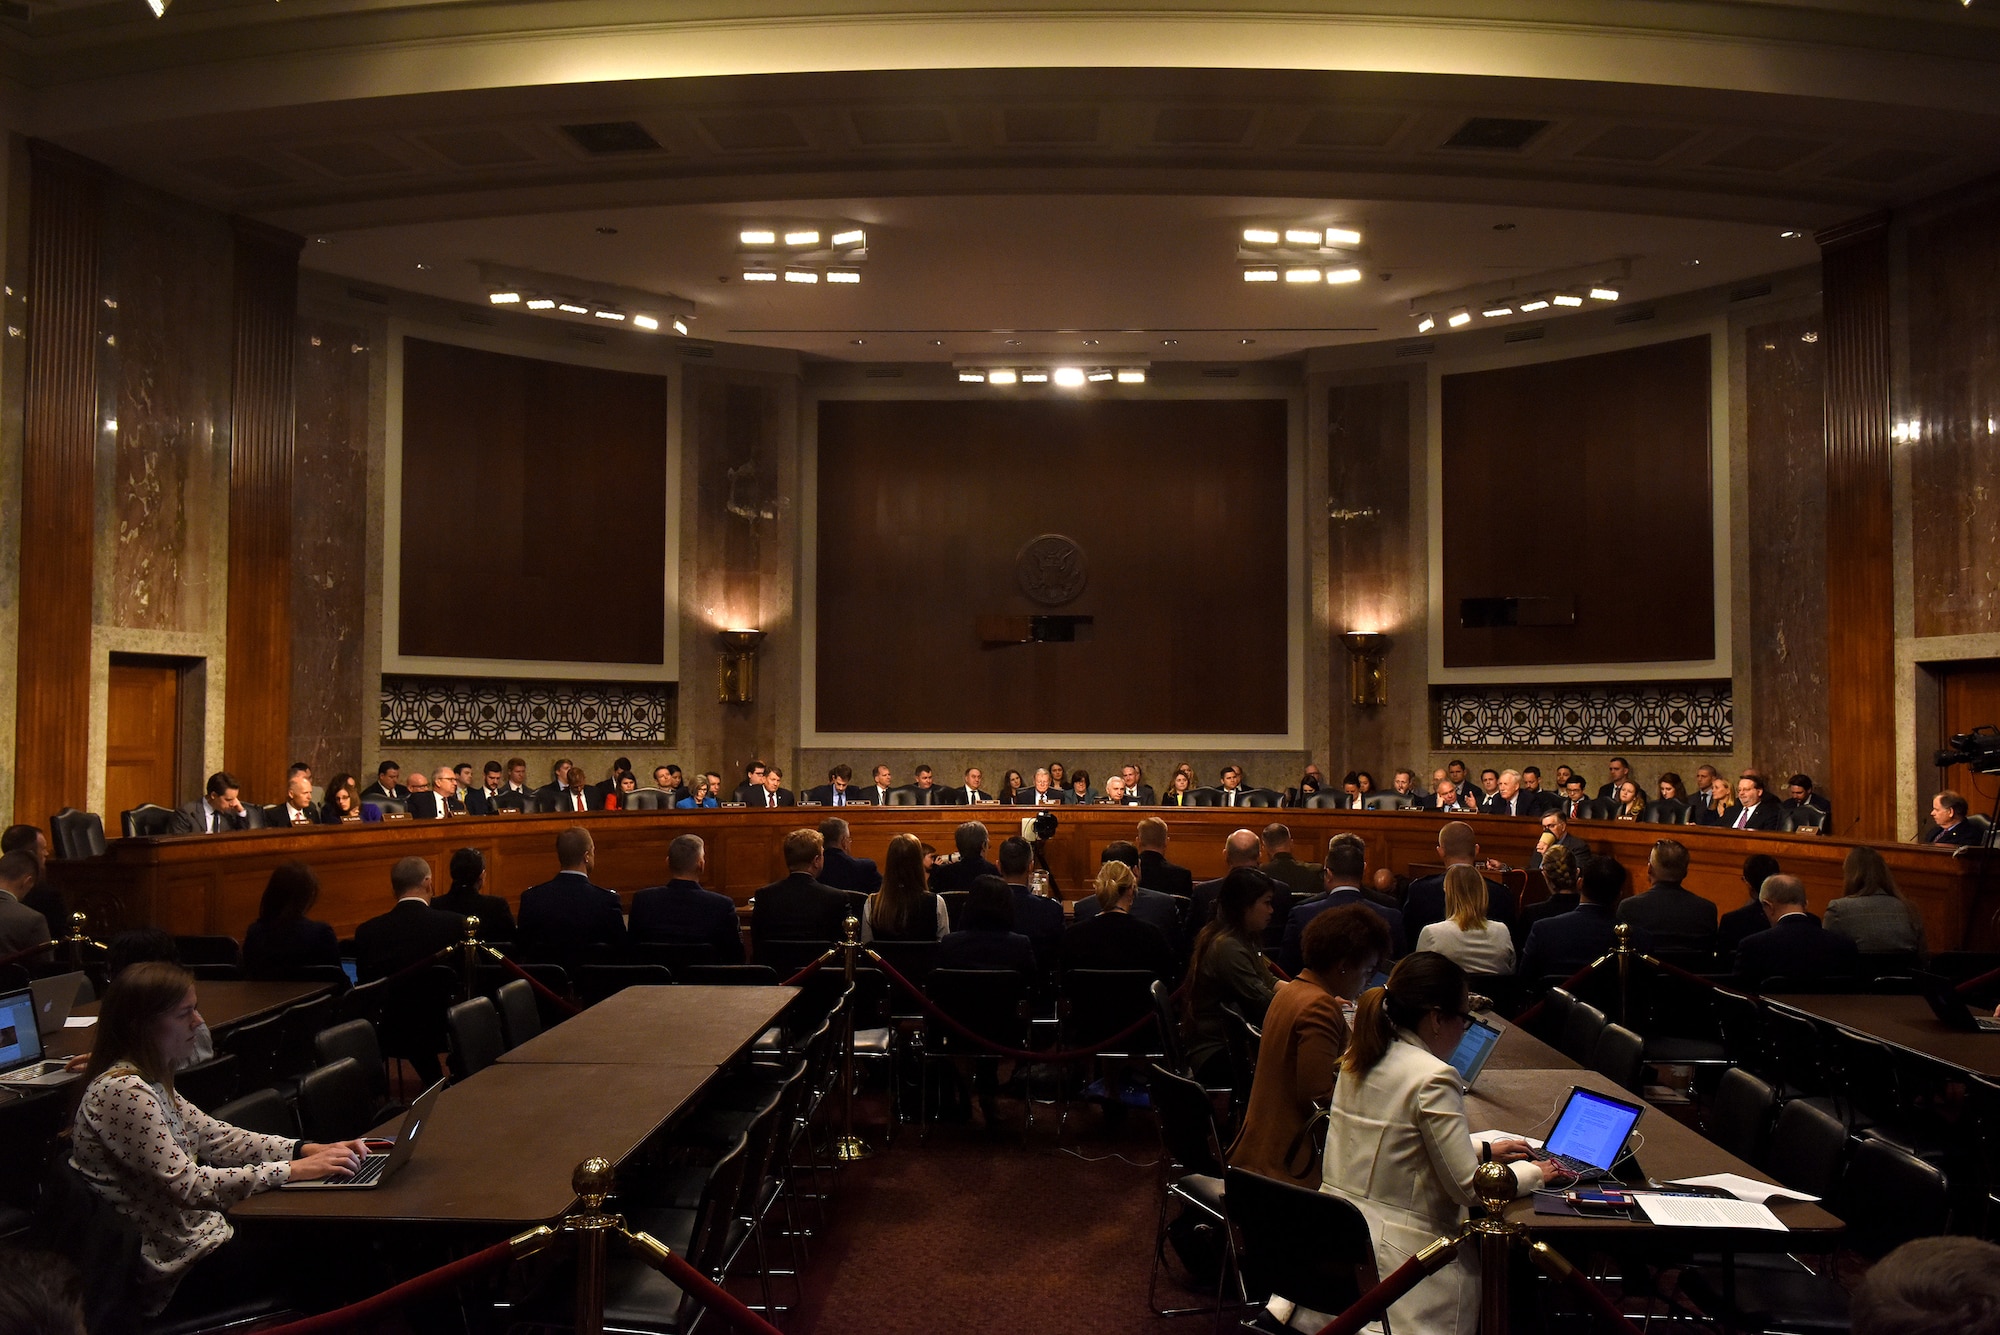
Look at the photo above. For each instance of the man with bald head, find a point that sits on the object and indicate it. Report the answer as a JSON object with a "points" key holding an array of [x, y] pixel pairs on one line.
{"points": [[442, 801], [1796, 945], [1457, 847], [411, 931], [1241, 849]]}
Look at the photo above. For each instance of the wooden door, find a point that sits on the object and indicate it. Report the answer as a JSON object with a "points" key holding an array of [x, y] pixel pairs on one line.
{"points": [[1968, 698], [142, 739]]}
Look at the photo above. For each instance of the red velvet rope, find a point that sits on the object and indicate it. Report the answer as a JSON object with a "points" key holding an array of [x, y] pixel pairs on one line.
{"points": [[359, 1315], [1378, 1299], [418, 967], [1970, 985], [1019, 1054], [1528, 1016], [806, 972], [536, 983], [727, 1305], [20, 955], [1590, 1293]]}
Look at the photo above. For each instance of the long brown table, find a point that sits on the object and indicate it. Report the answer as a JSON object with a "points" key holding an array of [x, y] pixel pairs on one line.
{"points": [[1904, 1022], [222, 1005], [212, 883], [660, 1026]]}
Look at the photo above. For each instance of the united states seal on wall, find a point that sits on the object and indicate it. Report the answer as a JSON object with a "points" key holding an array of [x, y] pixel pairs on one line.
{"points": [[1050, 569]]}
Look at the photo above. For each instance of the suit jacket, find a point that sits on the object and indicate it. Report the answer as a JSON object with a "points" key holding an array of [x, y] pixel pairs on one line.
{"points": [[1156, 873], [1796, 946], [823, 795], [1040, 920], [562, 799], [20, 926], [1305, 1031], [1295, 881], [1578, 850], [479, 802], [1145, 795], [192, 818], [409, 932], [1118, 941], [1964, 835], [757, 796], [960, 875], [1291, 952], [1524, 804], [424, 806], [281, 814], [872, 795], [1766, 815], [496, 918], [1226, 798], [799, 908], [1424, 904], [565, 914], [1739, 925], [682, 913], [1575, 808], [847, 873], [1565, 942], [397, 794], [986, 950], [275, 949], [1156, 910], [963, 797], [1817, 803], [1534, 913], [1672, 917]]}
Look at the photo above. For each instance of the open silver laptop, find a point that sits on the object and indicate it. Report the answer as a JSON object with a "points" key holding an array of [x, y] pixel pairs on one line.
{"points": [[22, 1064], [55, 998], [379, 1168]]}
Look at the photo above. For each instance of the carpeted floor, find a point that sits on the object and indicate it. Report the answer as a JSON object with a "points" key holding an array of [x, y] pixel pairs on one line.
{"points": [[972, 1234]]}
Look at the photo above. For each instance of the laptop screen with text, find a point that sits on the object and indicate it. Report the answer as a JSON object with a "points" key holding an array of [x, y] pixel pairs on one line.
{"points": [[1593, 1128]]}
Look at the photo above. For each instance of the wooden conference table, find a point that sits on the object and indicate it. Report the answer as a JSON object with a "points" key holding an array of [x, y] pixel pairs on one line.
{"points": [[211, 884], [1903, 1022], [1522, 1088], [223, 1005], [500, 1147]]}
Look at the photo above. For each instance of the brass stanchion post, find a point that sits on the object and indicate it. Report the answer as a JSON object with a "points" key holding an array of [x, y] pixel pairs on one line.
{"points": [[848, 1147], [592, 1181], [468, 955], [1624, 952], [77, 939], [1494, 1183]]}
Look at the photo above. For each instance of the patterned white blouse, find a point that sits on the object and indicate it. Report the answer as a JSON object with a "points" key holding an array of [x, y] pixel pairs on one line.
{"points": [[170, 1168]]}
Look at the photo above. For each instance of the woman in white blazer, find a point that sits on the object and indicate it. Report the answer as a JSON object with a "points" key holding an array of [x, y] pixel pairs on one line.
{"points": [[1398, 1145]]}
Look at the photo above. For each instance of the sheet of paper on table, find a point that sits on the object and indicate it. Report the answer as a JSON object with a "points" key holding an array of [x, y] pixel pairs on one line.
{"points": [[79, 1022], [1708, 1212], [1743, 1188], [1487, 1137]]}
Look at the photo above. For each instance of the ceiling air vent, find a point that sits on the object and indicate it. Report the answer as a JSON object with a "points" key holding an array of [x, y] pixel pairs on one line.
{"points": [[1528, 335], [1750, 292], [1633, 316], [1220, 372], [696, 350], [1416, 349], [1495, 132], [612, 137]]}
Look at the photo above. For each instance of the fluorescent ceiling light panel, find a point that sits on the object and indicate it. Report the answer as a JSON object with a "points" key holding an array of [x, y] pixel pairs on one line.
{"points": [[1099, 377], [801, 276], [645, 322], [1604, 294], [540, 304], [1428, 323], [504, 298], [1260, 275], [1260, 236], [810, 238], [1343, 275], [971, 378], [1131, 377], [1461, 318], [1567, 300], [1301, 236], [1536, 305], [569, 309], [610, 315], [1034, 377], [1341, 236], [1069, 376], [758, 238], [1495, 312], [1001, 377], [680, 327], [760, 276], [849, 240], [842, 276], [1302, 275]]}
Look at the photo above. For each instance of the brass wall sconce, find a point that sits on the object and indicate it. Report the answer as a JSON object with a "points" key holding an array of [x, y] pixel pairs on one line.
{"points": [[1365, 685], [736, 678]]}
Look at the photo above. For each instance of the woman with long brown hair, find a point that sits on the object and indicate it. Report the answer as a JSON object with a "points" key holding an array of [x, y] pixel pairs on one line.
{"points": [[1870, 911], [343, 801], [163, 1163], [1467, 936], [1180, 790], [904, 909], [1630, 801], [1226, 968]]}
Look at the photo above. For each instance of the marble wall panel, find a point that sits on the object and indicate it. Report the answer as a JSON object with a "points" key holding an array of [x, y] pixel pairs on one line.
{"points": [[1952, 416], [330, 554], [1784, 371]]}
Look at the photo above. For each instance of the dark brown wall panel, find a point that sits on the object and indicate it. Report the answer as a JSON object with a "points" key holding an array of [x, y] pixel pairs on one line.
{"points": [[1860, 620], [1954, 301], [1372, 586], [329, 539], [257, 701], [551, 478], [52, 738], [1785, 412], [1585, 478], [1179, 508]]}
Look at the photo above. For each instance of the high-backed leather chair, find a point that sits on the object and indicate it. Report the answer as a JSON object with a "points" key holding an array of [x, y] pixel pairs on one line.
{"points": [[1806, 819], [145, 822], [1388, 802], [77, 834], [644, 799], [1664, 811]]}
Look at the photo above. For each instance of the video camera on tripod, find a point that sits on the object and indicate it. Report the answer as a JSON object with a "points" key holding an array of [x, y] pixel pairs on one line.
{"points": [[1979, 749]]}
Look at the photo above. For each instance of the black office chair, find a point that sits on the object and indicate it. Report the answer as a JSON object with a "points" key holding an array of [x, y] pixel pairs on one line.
{"points": [[992, 1003], [1793, 1041], [1191, 1170], [1173, 1057], [1205, 797], [638, 1297], [335, 1102], [391, 807], [1807, 1147], [1620, 1056], [901, 797], [146, 821], [913, 959], [356, 1040], [208, 1085], [1383, 802], [76, 834], [476, 1038], [261, 1110], [1262, 797], [208, 950], [1664, 811], [1739, 1115], [1324, 801], [671, 955], [1549, 1025], [645, 799], [1308, 1246], [1580, 1033], [1808, 819], [595, 982], [519, 1013], [788, 957]]}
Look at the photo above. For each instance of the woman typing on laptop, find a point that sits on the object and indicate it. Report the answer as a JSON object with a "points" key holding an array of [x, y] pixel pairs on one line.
{"points": [[165, 1164]]}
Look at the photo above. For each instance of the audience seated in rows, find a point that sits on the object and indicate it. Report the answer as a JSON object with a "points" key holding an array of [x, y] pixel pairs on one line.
{"points": [[801, 907], [1564, 940], [1156, 908], [21, 928], [1456, 846], [468, 897], [1226, 968], [842, 870], [219, 810], [1870, 911], [1476, 943], [1796, 945], [1561, 870], [988, 937], [682, 912], [1340, 880], [566, 915], [904, 909], [1110, 937], [1672, 917], [971, 839], [42, 894], [283, 939], [1036, 917]]}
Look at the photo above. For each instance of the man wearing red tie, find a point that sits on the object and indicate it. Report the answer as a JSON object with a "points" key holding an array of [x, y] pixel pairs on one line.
{"points": [[1755, 812], [575, 795], [774, 793], [442, 801]]}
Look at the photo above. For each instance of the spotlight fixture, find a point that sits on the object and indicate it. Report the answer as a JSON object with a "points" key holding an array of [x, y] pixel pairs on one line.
{"points": [[1495, 312], [807, 251], [851, 240], [1534, 304], [1427, 323], [842, 276], [1002, 377], [1565, 299], [159, 7], [1304, 236], [540, 304], [1525, 294], [1099, 377], [567, 295], [680, 327], [1069, 377], [611, 315], [1302, 275], [1341, 236], [1034, 377], [1790, 234], [1343, 275], [503, 298], [1260, 275], [1604, 294], [1459, 319], [1301, 251], [760, 275]]}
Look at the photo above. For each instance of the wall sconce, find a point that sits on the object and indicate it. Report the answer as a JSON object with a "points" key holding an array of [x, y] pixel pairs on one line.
{"points": [[736, 678], [1364, 667]]}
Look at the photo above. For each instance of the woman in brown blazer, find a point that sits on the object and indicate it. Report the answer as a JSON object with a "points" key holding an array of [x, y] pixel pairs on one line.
{"points": [[1305, 1032]]}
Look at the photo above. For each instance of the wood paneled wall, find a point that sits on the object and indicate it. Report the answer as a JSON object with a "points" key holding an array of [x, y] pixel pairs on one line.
{"points": [[1785, 432], [51, 768], [1860, 590], [257, 712]]}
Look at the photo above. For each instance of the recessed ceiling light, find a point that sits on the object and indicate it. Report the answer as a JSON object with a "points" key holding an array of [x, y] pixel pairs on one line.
{"points": [[1459, 318], [1260, 236], [423, 266], [1001, 377], [755, 238], [1341, 236], [801, 276], [1536, 305], [937, 342], [760, 275], [1302, 275], [1689, 264], [1169, 342], [808, 238], [1090, 343], [1302, 236], [322, 241], [1260, 275], [1495, 312], [1565, 299], [1604, 294], [645, 322], [1131, 377], [1790, 234], [503, 298], [540, 304], [1246, 342], [1069, 376], [1343, 275], [849, 240]]}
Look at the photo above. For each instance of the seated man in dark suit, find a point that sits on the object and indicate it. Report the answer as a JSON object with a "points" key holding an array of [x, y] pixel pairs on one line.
{"points": [[1796, 945], [1038, 919], [974, 792], [1949, 814], [1802, 794], [388, 783], [1755, 808], [468, 898], [748, 792], [441, 802], [1340, 882], [836, 791], [775, 792], [1424, 905], [1576, 804], [988, 937], [1112, 938], [925, 791], [43, 895], [801, 907], [1137, 791], [880, 785], [1672, 917], [1739, 924], [1509, 798], [218, 810], [1621, 770], [492, 796], [568, 914], [1155, 872], [408, 934], [1539, 798], [1295, 880], [1155, 907], [1241, 849], [576, 794], [681, 912], [1563, 943], [1448, 799], [844, 871], [1556, 831], [21, 928], [972, 839]]}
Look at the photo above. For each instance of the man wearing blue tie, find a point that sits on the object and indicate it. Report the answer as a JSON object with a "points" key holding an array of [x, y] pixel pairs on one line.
{"points": [[832, 793]]}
